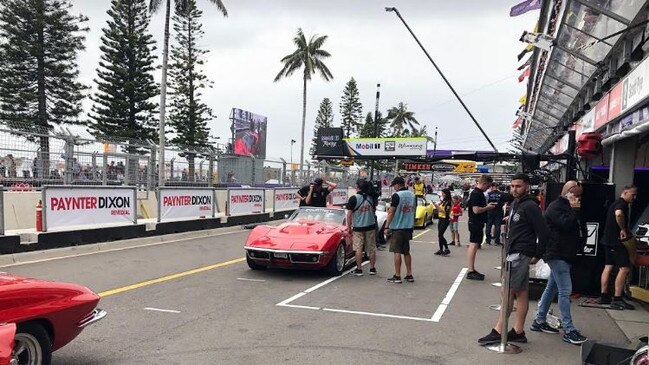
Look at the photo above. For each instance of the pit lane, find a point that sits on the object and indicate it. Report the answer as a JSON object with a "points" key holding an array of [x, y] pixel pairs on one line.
{"points": [[229, 314]]}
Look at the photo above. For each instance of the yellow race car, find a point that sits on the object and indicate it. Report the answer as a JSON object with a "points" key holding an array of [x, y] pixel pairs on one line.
{"points": [[425, 212]]}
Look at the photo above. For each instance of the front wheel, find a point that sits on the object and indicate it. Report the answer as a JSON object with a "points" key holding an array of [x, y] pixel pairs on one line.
{"points": [[32, 345], [337, 263]]}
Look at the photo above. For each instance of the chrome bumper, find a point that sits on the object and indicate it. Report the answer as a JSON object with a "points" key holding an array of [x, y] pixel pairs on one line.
{"points": [[95, 316]]}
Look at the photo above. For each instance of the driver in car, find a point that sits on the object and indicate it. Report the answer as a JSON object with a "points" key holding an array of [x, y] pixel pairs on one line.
{"points": [[315, 194]]}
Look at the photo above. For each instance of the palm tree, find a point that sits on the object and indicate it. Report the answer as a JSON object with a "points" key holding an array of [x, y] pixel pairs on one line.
{"points": [[402, 120], [308, 55], [154, 6]]}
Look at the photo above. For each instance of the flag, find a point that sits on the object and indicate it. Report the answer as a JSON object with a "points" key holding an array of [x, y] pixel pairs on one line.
{"points": [[524, 7], [526, 63], [523, 99], [517, 123], [525, 74], [528, 48]]}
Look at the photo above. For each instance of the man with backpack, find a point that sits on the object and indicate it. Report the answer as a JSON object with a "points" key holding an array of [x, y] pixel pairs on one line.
{"points": [[361, 221]]}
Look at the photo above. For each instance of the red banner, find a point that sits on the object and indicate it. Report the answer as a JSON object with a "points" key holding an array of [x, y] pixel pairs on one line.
{"points": [[601, 112], [615, 101]]}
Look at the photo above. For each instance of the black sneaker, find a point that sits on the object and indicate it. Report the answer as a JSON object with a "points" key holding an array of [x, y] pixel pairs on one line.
{"points": [[409, 279], [474, 275], [622, 304], [542, 327], [372, 271], [446, 252], [604, 299], [574, 337], [512, 336], [358, 272], [439, 252], [395, 279], [490, 339], [452, 243]]}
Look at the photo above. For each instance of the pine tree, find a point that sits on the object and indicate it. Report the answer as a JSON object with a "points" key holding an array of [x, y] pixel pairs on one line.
{"points": [[189, 116], [38, 72], [351, 109], [367, 129], [325, 119], [123, 104]]}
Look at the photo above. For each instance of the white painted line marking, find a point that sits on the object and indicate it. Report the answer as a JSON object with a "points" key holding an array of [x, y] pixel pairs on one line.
{"points": [[421, 234], [497, 285], [161, 310], [300, 306], [255, 280], [449, 295], [376, 314], [296, 296]]}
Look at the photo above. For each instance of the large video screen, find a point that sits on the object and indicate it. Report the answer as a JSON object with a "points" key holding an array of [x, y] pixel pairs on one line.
{"points": [[249, 133]]}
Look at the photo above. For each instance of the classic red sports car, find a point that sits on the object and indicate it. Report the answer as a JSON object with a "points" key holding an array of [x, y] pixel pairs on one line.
{"points": [[47, 315], [7, 334], [312, 238]]}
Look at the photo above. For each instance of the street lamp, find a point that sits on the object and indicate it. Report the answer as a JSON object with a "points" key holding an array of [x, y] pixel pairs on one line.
{"points": [[394, 10], [292, 172]]}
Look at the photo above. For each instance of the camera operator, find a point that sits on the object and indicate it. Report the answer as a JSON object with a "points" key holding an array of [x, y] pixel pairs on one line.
{"points": [[315, 194]]}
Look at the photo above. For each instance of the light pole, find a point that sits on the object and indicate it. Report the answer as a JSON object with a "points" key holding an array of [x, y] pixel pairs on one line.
{"points": [[394, 10], [292, 171]]}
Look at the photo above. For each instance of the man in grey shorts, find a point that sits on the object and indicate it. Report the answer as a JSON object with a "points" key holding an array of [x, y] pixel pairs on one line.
{"points": [[527, 236]]}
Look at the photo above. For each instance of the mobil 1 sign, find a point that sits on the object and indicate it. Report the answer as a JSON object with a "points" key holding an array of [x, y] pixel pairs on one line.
{"points": [[72, 206], [245, 201], [186, 203]]}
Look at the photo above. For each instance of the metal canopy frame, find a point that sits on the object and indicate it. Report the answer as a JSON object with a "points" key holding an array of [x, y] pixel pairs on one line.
{"points": [[604, 11], [571, 85]]}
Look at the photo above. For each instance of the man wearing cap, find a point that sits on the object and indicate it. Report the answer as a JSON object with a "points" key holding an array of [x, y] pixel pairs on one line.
{"points": [[361, 221], [399, 226], [315, 194]]}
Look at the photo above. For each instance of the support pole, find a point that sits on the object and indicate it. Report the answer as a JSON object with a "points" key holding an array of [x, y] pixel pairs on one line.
{"points": [[376, 125]]}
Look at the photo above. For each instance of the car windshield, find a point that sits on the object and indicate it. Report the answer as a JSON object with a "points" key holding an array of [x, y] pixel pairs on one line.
{"points": [[327, 215], [433, 198]]}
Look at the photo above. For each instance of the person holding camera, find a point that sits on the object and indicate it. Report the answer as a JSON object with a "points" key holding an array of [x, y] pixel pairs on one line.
{"points": [[361, 221], [315, 194]]}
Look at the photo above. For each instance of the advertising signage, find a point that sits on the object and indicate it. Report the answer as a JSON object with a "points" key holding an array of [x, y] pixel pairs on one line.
{"points": [[386, 147], [248, 133], [246, 201], [185, 203], [66, 206], [330, 142]]}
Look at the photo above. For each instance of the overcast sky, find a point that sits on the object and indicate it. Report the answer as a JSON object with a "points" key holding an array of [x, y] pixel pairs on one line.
{"points": [[474, 42]]}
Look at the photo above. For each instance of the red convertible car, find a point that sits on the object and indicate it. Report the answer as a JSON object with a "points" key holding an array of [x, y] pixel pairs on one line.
{"points": [[47, 316], [312, 238]]}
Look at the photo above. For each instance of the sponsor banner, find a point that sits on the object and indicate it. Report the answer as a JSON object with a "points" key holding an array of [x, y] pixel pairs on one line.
{"points": [[249, 133], [245, 201], [389, 147], [186, 203], [286, 199], [339, 197], [601, 114], [615, 102], [330, 142], [65, 206], [636, 88], [417, 166]]}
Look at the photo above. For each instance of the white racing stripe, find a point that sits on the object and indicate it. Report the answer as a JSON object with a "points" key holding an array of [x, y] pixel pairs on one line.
{"points": [[161, 310], [449, 296]]}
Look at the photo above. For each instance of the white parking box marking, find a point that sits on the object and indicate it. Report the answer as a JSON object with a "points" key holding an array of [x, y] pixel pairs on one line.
{"points": [[300, 306], [296, 296], [376, 314], [161, 310], [421, 234], [449, 296], [253, 280]]}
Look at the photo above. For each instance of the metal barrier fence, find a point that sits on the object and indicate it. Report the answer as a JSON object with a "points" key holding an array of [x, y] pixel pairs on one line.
{"points": [[34, 157]]}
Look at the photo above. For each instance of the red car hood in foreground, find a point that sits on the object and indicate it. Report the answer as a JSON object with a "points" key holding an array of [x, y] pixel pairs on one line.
{"points": [[68, 308], [7, 333], [303, 235]]}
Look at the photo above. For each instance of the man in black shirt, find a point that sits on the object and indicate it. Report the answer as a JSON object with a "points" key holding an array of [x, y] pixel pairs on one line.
{"points": [[315, 194], [478, 209], [495, 216], [616, 228]]}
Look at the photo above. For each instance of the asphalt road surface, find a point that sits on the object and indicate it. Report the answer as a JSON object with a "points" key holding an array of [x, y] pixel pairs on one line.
{"points": [[196, 301]]}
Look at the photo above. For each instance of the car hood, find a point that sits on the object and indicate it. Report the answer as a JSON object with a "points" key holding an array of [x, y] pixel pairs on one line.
{"points": [[306, 235]]}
